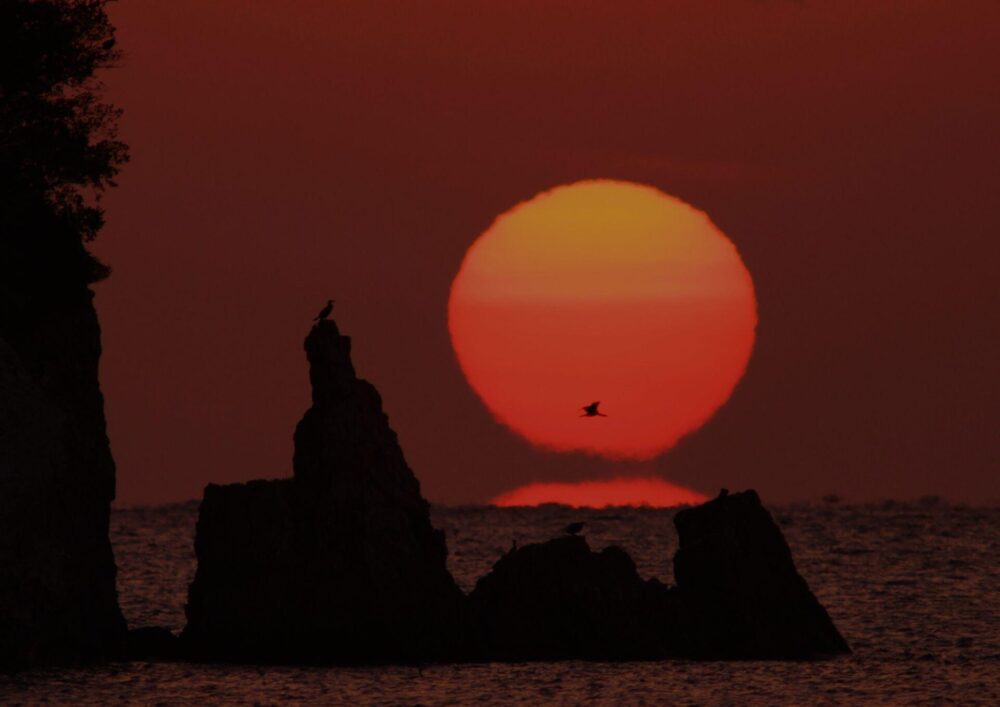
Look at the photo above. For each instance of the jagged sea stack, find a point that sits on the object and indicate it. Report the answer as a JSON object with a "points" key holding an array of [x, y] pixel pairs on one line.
{"points": [[339, 563], [738, 596], [560, 600], [742, 597], [58, 601]]}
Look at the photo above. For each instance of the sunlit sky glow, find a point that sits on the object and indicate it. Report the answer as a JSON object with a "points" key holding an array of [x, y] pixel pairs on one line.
{"points": [[600, 494]]}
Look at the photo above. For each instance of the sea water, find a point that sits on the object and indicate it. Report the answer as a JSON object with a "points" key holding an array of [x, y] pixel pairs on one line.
{"points": [[914, 588]]}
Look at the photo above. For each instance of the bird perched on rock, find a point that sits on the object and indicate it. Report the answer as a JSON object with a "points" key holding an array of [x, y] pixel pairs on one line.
{"points": [[325, 312], [573, 528], [723, 493], [591, 410]]}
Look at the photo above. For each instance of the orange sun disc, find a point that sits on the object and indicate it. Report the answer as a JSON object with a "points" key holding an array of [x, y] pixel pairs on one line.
{"points": [[603, 291]]}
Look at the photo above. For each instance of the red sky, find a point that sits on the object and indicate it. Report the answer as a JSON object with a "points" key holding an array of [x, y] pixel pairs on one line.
{"points": [[284, 153]]}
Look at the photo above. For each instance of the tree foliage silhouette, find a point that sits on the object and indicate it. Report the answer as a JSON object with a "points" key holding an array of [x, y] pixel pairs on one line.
{"points": [[58, 144]]}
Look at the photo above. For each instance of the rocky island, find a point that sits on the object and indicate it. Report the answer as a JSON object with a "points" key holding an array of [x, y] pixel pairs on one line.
{"points": [[338, 563], [341, 564]]}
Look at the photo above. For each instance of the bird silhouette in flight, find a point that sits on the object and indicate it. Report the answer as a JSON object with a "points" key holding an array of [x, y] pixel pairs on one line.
{"points": [[574, 528], [325, 312], [592, 411]]}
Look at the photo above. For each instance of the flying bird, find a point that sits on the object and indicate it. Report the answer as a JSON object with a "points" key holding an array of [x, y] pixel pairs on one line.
{"points": [[591, 410], [574, 528], [325, 312]]}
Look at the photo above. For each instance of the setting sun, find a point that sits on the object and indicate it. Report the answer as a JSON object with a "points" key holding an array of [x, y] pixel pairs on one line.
{"points": [[609, 291], [653, 492]]}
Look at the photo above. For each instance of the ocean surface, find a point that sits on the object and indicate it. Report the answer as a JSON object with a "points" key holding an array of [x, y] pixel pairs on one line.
{"points": [[914, 588]]}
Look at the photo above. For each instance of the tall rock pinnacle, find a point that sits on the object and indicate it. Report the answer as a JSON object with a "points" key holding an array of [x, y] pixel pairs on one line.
{"points": [[58, 601], [344, 440], [339, 563]]}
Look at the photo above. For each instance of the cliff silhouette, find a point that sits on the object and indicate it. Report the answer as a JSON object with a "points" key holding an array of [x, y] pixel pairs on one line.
{"points": [[341, 564], [58, 601], [58, 151], [338, 563]]}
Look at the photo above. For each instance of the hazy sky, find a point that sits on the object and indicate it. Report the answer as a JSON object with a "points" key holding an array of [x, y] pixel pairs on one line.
{"points": [[284, 153]]}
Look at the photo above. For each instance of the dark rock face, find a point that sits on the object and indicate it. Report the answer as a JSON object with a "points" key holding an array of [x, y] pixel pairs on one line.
{"points": [[341, 562], [152, 643], [58, 601], [344, 445], [741, 593], [738, 597], [558, 600]]}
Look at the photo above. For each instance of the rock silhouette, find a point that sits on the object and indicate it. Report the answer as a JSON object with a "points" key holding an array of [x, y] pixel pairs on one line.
{"points": [[559, 600], [58, 601], [58, 153], [151, 643], [738, 596], [741, 594], [339, 563]]}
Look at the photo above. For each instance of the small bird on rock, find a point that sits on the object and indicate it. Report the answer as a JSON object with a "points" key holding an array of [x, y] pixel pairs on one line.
{"points": [[325, 312], [573, 528]]}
